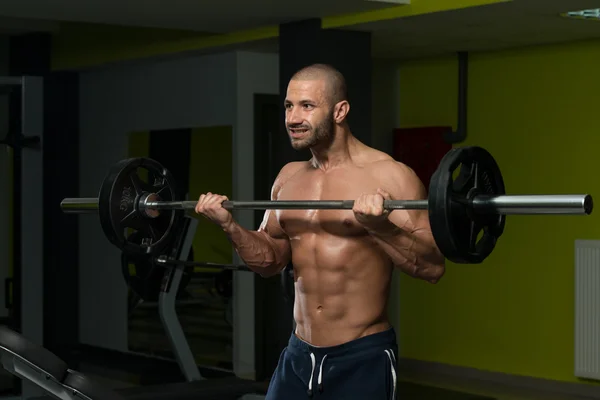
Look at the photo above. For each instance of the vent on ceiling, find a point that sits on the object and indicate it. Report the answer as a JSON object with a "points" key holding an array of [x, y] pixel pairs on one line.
{"points": [[593, 13], [392, 1]]}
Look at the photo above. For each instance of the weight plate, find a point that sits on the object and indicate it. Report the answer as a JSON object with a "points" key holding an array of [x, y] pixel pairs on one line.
{"points": [[118, 205], [144, 277], [462, 235]]}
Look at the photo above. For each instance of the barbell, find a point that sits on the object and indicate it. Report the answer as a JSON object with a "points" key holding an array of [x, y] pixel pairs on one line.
{"points": [[467, 205]]}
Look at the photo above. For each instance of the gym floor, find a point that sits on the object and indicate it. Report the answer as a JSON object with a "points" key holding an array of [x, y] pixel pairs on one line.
{"points": [[489, 389], [469, 389]]}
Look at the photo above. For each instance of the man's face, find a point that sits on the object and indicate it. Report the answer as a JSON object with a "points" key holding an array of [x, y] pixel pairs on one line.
{"points": [[308, 115]]}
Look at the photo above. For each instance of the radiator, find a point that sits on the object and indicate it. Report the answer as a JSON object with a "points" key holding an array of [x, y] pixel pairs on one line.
{"points": [[587, 309]]}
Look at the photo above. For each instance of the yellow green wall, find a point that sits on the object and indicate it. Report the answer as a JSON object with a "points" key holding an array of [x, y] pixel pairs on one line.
{"points": [[535, 109], [211, 170]]}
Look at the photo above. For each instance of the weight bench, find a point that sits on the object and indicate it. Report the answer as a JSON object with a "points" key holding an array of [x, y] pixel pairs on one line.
{"points": [[38, 365], [34, 363]]}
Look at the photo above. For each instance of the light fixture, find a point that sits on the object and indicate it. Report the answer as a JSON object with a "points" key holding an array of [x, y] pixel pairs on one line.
{"points": [[593, 14]]}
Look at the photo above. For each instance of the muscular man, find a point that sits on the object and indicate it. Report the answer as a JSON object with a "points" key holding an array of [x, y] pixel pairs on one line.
{"points": [[343, 347]]}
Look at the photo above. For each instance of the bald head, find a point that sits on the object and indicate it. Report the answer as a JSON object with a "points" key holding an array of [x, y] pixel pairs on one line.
{"points": [[335, 82]]}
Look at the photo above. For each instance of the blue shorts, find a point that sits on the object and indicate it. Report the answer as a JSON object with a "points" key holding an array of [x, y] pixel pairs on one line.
{"points": [[363, 369]]}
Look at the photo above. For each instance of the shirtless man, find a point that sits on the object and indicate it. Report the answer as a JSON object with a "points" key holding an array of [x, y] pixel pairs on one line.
{"points": [[343, 347]]}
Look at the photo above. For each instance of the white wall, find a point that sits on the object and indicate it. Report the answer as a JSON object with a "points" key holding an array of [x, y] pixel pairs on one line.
{"points": [[256, 73], [183, 92]]}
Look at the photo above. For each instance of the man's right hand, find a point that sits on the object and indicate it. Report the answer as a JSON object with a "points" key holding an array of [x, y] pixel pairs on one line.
{"points": [[210, 206]]}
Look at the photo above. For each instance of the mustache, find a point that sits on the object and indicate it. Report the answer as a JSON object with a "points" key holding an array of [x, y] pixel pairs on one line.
{"points": [[297, 126]]}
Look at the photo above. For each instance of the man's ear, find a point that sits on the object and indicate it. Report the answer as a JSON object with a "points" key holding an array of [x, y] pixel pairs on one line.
{"points": [[340, 111]]}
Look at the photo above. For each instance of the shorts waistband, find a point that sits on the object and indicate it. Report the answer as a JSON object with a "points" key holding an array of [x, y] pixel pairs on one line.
{"points": [[384, 339]]}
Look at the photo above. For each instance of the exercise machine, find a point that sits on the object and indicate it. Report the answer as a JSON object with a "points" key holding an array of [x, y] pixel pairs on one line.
{"points": [[196, 386], [46, 372], [49, 374], [25, 137]]}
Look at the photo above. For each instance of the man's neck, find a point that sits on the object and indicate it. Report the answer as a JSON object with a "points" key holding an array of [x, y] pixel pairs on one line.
{"points": [[338, 152]]}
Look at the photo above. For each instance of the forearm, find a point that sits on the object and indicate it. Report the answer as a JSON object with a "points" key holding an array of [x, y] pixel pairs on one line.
{"points": [[413, 252], [255, 249]]}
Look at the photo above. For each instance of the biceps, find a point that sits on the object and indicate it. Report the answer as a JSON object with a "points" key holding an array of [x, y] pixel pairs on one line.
{"points": [[272, 230]]}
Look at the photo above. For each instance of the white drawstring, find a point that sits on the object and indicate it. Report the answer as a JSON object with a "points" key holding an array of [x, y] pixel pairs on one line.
{"points": [[321, 373], [392, 358], [312, 371]]}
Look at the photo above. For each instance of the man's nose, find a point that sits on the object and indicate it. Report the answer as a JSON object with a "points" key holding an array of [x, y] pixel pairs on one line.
{"points": [[293, 116]]}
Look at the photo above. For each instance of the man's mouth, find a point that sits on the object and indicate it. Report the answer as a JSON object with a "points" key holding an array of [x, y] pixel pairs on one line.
{"points": [[297, 132]]}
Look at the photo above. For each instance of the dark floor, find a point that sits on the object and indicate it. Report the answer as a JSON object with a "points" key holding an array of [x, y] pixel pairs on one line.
{"points": [[442, 388], [489, 389], [412, 386]]}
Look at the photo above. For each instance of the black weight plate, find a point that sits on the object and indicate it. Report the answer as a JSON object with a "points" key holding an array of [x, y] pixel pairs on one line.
{"points": [[144, 276], [462, 235], [118, 205], [88, 388], [42, 358]]}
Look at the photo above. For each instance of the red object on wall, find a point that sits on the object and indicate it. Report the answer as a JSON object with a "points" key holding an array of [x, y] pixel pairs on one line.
{"points": [[421, 149]]}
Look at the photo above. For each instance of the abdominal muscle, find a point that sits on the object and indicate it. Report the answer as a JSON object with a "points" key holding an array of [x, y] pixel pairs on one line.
{"points": [[341, 288]]}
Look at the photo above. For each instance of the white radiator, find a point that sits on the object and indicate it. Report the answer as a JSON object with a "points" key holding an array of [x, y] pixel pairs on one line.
{"points": [[587, 309]]}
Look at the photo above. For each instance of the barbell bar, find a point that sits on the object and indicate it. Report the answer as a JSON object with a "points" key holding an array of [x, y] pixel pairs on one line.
{"points": [[467, 211], [568, 204], [163, 260]]}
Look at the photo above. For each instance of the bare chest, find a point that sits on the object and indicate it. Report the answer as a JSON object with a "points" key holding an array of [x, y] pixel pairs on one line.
{"points": [[316, 185]]}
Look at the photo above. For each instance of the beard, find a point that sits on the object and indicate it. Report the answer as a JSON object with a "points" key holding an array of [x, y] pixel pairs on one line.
{"points": [[322, 134]]}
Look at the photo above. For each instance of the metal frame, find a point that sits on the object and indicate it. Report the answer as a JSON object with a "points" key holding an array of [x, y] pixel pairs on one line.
{"points": [[11, 80], [28, 269], [32, 240], [167, 300]]}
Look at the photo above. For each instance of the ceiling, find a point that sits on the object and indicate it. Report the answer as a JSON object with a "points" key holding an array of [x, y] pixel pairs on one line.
{"points": [[517, 23], [214, 16], [498, 26], [15, 26]]}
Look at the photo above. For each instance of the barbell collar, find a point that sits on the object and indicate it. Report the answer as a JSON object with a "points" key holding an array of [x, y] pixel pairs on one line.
{"points": [[79, 205], [568, 204]]}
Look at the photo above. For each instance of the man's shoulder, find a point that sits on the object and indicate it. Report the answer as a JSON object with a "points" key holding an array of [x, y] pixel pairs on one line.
{"points": [[395, 173], [292, 168], [384, 163], [289, 170]]}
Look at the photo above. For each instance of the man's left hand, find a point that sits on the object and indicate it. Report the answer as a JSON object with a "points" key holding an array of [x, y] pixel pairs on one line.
{"points": [[369, 212]]}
